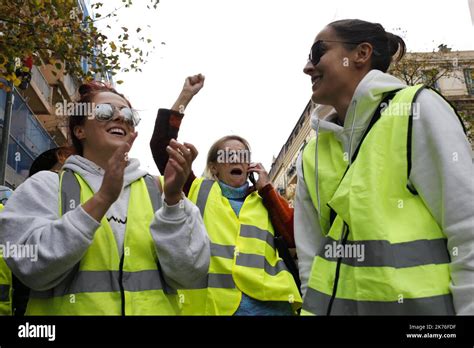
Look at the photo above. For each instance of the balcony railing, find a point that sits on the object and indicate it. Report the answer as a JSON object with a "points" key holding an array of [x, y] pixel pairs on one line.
{"points": [[40, 81], [70, 84]]}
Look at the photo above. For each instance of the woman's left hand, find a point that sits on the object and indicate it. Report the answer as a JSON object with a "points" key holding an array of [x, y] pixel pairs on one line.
{"points": [[263, 178], [178, 168]]}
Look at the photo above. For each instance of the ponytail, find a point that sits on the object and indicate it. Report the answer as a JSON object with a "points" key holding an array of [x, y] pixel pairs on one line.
{"points": [[387, 47], [396, 47]]}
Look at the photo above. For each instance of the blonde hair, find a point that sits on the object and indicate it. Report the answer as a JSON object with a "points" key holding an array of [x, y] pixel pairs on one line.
{"points": [[213, 152]]}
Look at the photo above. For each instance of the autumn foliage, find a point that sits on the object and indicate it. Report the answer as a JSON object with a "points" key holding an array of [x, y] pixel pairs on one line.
{"points": [[57, 32]]}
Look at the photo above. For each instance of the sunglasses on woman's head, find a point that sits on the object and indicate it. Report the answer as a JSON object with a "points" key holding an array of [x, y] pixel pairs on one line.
{"points": [[318, 50], [105, 112]]}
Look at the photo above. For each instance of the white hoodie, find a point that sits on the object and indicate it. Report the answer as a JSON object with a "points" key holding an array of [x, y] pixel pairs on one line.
{"points": [[31, 217], [441, 173]]}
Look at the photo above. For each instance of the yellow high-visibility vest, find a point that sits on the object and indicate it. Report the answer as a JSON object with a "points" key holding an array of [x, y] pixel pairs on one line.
{"points": [[384, 254], [5, 286], [243, 256], [103, 283]]}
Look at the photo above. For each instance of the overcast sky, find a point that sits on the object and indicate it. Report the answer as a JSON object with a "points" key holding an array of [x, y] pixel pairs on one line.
{"points": [[252, 53]]}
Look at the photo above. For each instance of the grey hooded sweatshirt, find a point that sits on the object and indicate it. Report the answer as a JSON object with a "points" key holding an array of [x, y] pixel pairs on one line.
{"points": [[31, 217], [441, 173]]}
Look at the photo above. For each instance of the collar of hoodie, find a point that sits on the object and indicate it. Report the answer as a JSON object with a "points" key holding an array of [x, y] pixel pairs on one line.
{"points": [[93, 174], [367, 96]]}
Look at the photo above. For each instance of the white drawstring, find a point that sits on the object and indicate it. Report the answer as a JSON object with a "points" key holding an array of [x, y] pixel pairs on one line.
{"points": [[354, 104], [316, 167]]}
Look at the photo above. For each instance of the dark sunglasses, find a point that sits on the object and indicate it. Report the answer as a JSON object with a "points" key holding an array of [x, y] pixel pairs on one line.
{"points": [[105, 112], [318, 50]]}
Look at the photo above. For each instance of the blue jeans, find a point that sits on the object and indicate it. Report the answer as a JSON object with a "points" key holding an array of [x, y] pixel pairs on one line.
{"points": [[251, 306]]}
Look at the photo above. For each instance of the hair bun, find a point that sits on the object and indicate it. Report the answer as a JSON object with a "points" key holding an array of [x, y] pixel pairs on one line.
{"points": [[392, 43], [395, 44]]}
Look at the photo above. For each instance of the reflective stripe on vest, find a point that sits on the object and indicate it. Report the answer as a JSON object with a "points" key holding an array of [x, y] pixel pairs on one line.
{"points": [[5, 286], [243, 256], [379, 253], [103, 283], [248, 231], [317, 302], [389, 252]]}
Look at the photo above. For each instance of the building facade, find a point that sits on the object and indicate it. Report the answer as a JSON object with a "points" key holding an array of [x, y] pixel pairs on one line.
{"points": [[36, 125], [449, 72]]}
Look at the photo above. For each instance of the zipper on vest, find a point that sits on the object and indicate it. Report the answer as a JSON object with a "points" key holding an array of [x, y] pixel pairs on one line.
{"points": [[122, 291]]}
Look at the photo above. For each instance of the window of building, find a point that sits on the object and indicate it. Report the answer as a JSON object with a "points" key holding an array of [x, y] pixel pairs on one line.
{"points": [[28, 138], [469, 78]]}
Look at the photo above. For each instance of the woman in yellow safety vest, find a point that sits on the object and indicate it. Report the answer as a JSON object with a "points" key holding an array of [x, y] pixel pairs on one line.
{"points": [[53, 160], [6, 281], [383, 214], [247, 275], [97, 239]]}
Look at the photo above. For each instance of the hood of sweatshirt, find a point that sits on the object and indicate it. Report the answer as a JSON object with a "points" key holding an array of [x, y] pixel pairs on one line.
{"points": [[367, 97], [94, 174]]}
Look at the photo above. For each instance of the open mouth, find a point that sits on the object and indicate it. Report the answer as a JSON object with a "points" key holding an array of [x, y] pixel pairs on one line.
{"points": [[316, 79], [236, 172], [117, 131]]}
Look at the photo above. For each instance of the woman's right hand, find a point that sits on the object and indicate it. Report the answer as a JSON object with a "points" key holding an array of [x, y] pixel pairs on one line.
{"points": [[112, 183], [113, 177]]}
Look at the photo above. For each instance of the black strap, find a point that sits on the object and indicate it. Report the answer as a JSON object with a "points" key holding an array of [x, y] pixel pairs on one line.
{"points": [[345, 234], [410, 130], [284, 253], [454, 109], [383, 104], [409, 140], [345, 231]]}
